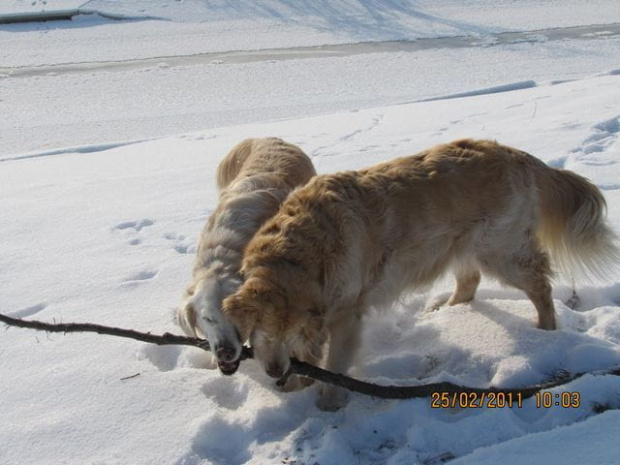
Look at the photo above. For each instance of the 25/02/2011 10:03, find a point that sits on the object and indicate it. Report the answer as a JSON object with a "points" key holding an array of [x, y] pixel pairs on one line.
{"points": [[544, 399]]}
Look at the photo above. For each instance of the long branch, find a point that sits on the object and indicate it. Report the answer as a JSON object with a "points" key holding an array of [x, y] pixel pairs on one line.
{"points": [[164, 339], [427, 390], [161, 340], [298, 367]]}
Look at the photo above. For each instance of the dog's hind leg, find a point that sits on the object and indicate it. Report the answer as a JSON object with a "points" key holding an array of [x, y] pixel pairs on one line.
{"points": [[467, 280], [526, 269]]}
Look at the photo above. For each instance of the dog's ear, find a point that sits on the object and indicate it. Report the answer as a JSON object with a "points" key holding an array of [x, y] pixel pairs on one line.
{"points": [[186, 319], [252, 302], [242, 308], [191, 289]]}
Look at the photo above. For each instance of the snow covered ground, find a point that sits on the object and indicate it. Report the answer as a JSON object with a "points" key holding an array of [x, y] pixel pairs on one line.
{"points": [[97, 228]]}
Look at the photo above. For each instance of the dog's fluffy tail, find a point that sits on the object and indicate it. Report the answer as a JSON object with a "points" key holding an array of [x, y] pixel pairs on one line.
{"points": [[573, 227], [229, 167]]}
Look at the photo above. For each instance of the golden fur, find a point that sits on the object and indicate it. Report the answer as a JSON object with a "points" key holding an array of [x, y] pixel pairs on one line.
{"points": [[352, 240], [253, 180]]}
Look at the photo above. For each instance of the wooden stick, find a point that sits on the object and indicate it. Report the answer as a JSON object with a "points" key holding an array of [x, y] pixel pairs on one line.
{"points": [[301, 368]]}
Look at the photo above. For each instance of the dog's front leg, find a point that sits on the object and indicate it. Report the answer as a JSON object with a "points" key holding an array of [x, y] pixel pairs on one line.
{"points": [[344, 338]]}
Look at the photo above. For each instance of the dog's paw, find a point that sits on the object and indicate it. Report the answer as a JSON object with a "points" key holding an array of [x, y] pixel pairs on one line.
{"points": [[332, 398], [547, 325], [295, 383], [436, 304]]}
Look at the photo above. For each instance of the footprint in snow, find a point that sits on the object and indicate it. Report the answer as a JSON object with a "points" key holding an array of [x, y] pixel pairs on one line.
{"points": [[604, 134], [131, 229], [597, 153], [137, 225], [140, 278], [181, 243]]}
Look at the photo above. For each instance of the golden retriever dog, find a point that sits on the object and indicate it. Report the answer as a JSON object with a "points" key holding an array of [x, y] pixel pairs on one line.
{"points": [[253, 180], [357, 239]]}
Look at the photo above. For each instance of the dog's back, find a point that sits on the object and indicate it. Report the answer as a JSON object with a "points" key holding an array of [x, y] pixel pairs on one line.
{"points": [[252, 157], [451, 203], [402, 222], [256, 175]]}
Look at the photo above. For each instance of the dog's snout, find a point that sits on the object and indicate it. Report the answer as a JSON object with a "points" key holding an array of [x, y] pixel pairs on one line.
{"points": [[275, 370], [225, 353]]}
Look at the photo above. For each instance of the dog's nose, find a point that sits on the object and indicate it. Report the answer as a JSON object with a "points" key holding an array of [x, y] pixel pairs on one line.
{"points": [[275, 371], [225, 353]]}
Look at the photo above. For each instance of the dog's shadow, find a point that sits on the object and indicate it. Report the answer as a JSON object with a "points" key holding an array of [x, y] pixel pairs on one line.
{"points": [[469, 343]]}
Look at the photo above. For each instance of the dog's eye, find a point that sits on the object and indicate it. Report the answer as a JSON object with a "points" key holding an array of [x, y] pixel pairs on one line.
{"points": [[210, 320]]}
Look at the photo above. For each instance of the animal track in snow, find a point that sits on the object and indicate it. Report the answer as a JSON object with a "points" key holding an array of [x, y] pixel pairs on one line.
{"points": [[597, 152], [181, 243], [136, 225], [143, 275], [140, 277], [440, 132], [131, 229], [604, 134], [376, 121], [328, 150]]}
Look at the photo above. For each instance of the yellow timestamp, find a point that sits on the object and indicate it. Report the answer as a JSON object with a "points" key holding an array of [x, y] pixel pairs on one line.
{"points": [[495, 399], [500, 399]]}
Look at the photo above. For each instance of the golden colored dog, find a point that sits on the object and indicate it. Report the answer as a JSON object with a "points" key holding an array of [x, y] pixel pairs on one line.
{"points": [[356, 239], [253, 180]]}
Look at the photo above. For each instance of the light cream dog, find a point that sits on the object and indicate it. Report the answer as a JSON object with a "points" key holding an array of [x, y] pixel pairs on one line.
{"points": [[253, 180], [356, 239]]}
